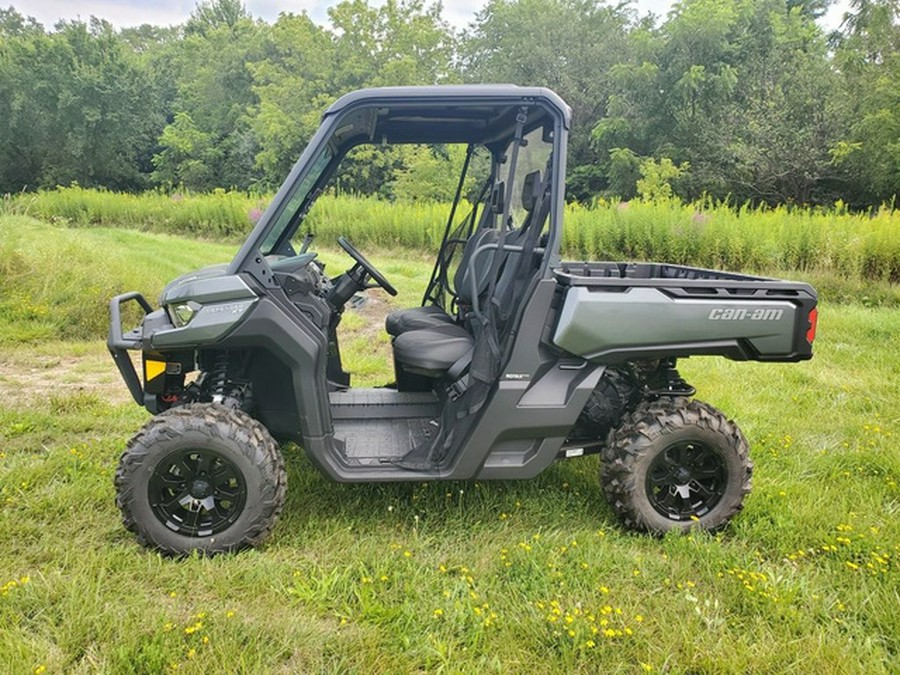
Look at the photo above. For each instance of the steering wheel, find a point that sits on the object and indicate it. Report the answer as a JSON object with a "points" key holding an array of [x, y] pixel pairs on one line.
{"points": [[369, 269]]}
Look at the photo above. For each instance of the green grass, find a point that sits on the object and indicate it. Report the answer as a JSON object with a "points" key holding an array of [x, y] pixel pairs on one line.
{"points": [[56, 282], [455, 577]]}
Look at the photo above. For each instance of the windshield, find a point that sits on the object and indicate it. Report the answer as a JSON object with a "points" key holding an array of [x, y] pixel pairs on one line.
{"points": [[297, 205]]}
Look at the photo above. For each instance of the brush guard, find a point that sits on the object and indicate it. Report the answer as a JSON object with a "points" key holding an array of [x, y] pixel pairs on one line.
{"points": [[119, 343]]}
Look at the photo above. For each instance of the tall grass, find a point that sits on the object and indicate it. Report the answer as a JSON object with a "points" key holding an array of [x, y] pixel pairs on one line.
{"points": [[859, 246], [377, 222], [218, 214], [854, 246]]}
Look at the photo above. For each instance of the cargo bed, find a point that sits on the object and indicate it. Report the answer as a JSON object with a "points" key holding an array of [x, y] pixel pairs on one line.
{"points": [[622, 311]]}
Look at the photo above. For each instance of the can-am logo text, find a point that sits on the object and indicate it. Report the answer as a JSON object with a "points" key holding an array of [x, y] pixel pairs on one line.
{"points": [[721, 314]]}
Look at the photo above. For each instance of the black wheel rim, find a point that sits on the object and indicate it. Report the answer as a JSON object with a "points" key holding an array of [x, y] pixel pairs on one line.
{"points": [[686, 480], [197, 493]]}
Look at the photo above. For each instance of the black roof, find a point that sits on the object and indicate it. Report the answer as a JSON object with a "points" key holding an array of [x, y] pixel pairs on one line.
{"points": [[481, 113]]}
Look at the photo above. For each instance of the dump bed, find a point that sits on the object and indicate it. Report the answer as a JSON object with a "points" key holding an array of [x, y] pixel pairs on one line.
{"points": [[621, 311]]}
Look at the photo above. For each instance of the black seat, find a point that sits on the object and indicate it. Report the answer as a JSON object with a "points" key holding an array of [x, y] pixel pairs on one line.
{"points": [[432, 348], [415, 318], [432, 316], [432, 351]]}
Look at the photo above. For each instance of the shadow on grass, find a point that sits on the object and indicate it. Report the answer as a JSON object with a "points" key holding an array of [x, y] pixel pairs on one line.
{"points": [[566, 495]]}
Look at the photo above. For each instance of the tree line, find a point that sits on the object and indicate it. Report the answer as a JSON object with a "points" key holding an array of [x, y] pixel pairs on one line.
{"points": [[741, 100]]}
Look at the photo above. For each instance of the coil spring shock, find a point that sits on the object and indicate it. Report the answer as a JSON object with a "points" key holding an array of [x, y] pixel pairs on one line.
{"points": [[219, 378]]}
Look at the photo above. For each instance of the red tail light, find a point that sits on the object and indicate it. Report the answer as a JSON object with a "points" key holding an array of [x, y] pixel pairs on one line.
{"points": [[813, 319]]}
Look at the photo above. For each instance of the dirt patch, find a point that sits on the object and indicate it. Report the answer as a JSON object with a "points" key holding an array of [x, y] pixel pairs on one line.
{"points": [[373, 311], [32, 373]]}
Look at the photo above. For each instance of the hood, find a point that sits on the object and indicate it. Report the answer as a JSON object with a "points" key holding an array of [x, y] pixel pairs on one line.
{"points": [[206, 284]]}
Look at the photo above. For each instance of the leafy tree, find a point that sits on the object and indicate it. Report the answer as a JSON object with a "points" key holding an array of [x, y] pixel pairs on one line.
{"points": [[13, 24], [656, 178], [189, 156], [402, 42], [624, 173], [211, 15], [868, 56], [812, 9], [586, 181], [747, 93], [741, 91], [73, 107], [570, 46], [292, 85], [23, 122], [212, 65], [788, 110], [147, 39], [431, 173]]}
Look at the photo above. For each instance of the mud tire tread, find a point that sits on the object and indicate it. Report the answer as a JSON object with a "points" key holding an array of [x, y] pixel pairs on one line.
{"points": [[226, 429], [648, 430]]}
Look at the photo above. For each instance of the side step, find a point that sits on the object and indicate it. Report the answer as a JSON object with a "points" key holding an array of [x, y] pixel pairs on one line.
{"points": [[382, 441]]}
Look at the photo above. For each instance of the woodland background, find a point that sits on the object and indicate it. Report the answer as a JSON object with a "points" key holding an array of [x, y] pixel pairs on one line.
{"points": [[744, 101]]}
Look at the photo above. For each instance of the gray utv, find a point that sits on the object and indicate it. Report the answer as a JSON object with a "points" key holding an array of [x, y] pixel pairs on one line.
{"points": [[514, 359]]}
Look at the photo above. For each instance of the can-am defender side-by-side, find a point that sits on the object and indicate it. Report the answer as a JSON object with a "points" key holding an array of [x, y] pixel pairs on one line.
{"points": [[513, 360]]}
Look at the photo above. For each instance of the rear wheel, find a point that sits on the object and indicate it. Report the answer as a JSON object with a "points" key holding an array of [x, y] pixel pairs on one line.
{"points": [[676, 464], [615, 393], [201, 477]]}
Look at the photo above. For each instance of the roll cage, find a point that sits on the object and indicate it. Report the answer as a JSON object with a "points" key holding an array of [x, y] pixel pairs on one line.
{"points": [[483, 115]]}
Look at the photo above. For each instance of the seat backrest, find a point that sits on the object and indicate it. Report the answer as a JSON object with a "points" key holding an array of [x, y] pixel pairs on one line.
{"points": [[462, 282], [531, 188]]}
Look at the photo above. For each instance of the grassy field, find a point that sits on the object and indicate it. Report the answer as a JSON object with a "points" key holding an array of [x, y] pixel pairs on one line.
{"points": [[533, 576]]}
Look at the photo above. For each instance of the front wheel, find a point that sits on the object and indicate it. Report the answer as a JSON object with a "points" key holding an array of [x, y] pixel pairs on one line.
{"points": [[676, 464], [201, 477]]}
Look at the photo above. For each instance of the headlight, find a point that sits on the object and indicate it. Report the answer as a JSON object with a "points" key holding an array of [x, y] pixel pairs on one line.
{"points": [[182, 313]]}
